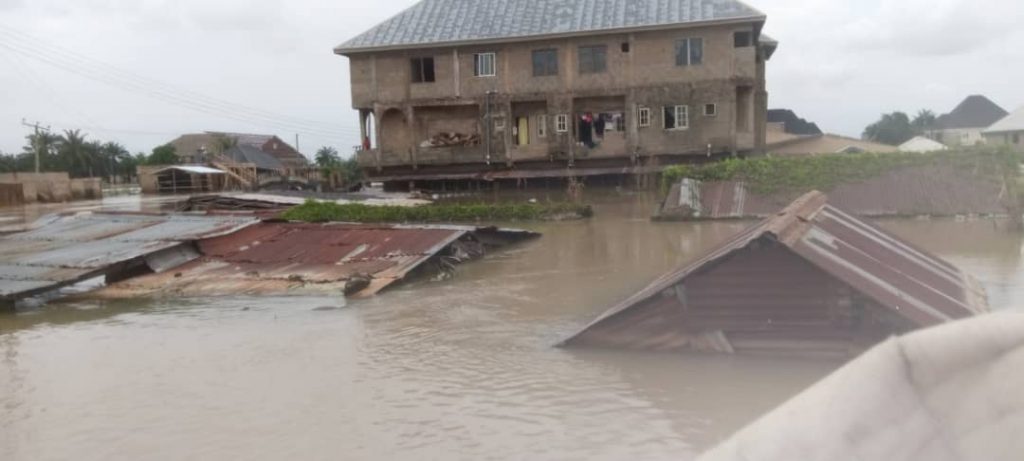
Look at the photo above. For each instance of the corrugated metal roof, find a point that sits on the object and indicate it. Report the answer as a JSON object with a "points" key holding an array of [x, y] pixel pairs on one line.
{"points": [[191, 169], [291, 257], [65, 249], [522, 174], [244, 153], [898, 276], [452, 21]]}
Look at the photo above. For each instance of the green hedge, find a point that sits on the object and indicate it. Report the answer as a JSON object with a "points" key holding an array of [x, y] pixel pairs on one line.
{"points": [[313, 211], [825, 172]]}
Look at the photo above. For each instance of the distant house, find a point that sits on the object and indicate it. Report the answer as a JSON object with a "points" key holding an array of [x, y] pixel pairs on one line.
{"points": [[1008, 132], [202, 147], [811, 280], [791, 123], [922, 144], [521, 88], [779, 142], [965, 124]]}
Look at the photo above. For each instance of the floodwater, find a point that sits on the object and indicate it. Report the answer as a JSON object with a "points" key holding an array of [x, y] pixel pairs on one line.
{"points": [[463, 369]]}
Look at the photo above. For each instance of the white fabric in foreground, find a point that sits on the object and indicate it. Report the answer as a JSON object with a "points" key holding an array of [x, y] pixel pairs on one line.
{"points": [[951, 393]]}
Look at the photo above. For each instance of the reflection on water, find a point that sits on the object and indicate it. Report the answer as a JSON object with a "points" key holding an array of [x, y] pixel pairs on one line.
{"points": [[462, 369]]}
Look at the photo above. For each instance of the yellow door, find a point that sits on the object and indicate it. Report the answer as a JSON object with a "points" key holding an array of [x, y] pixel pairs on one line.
{"points": [[524, 131]]}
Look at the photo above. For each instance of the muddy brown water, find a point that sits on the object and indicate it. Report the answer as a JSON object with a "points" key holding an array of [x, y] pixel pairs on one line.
{"points": [[462, 369]]}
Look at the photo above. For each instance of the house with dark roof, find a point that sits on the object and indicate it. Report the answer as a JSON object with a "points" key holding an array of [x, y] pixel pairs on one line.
{"points": [[204, 147], [516, 89], [966, 123], [1007, 132]]}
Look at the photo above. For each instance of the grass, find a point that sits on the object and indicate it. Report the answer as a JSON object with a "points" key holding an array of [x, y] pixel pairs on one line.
{"points": [[825, 172], [313, 211]]}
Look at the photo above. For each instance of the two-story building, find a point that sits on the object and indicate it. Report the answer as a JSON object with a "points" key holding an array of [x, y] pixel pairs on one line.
{"points": [[491, 89]]}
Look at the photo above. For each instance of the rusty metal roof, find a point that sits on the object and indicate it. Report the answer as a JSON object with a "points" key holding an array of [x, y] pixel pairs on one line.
{"points": [[898, 276], [280, 257], [61, 250]]}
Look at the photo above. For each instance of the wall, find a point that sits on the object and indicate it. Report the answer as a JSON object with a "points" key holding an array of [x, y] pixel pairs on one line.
{"points": [[147, 178], [42, 187], [1014, 140], [961, 137], [644, 76], [12, 194]]}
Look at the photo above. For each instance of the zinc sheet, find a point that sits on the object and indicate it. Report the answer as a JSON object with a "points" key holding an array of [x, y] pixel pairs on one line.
{"points": [[65, 249]]}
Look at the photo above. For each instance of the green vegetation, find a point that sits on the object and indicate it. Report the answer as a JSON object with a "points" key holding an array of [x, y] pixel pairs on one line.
{"points": [[897, 128], [72, 151], [825, 172], [337, 172], [313, 211]]}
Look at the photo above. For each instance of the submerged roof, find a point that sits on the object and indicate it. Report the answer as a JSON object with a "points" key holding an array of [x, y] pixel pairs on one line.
{"points": [[976, 111], [1012, 122], [65, 249], [432, 22], [278, 257], [910, 282]]}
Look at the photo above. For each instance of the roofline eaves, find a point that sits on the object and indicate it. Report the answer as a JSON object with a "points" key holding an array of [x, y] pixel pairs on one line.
{"points": [[340, 50]]}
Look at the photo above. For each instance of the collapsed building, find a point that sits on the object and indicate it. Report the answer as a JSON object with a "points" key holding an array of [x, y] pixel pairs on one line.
{"points": [[222, 254], [811, 280]]}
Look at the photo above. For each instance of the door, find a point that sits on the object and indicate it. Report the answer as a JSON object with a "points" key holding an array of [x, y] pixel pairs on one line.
{"points": [[524, 131]]}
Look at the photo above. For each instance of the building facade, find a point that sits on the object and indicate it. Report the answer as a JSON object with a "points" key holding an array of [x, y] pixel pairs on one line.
{"points": [[204, 147], [964, 125], [441, 97], [1008, 132]]}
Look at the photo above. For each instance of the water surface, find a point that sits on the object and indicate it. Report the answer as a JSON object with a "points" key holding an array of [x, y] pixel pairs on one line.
{"points": [[454, 370]]}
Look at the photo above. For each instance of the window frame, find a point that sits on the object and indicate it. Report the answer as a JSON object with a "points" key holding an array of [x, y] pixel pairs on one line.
{"points": [[548, 68], [419, 69], [742, 33], [679, 112], [690, 52], [714, 109], [593, 51], [643, 117], [479, 61], [499, 122], [561, 123], [542, 126]]}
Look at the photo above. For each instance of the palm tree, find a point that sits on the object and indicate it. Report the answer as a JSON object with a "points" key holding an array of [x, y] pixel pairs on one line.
{"points": [[46, 144], [225, 143], [75, 153], [327, 157], [924, 123]]}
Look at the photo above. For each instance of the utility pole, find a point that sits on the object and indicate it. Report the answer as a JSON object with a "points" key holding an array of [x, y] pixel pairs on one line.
{"points": [[38, 145], [297, 142]]}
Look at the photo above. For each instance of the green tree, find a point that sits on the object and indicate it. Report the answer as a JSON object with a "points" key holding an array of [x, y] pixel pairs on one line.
{"points": [[893, 129], [925, 123], [76, 154], [224, 143], [163, 155], [47, 143], [327, 157]]}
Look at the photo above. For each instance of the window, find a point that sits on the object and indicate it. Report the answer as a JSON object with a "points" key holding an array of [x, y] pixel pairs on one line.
{"points": [[593, 59], [542, 126], [499, 123], [625, 47], [422, 70], [743, 39], [690, 52], [562, 123], [643, 117], [484, 65], [545, 63], [710, 110], [677, 117]]}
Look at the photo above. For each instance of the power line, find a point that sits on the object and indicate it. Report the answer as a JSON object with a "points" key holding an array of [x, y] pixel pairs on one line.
{"points": [[106, 74]]}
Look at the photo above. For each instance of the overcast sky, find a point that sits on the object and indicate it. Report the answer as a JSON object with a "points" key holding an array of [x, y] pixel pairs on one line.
{"points": [[269, 65]]}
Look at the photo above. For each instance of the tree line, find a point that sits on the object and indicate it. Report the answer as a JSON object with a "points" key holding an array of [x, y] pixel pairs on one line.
{"points": [[897, 128], [72, 151]]}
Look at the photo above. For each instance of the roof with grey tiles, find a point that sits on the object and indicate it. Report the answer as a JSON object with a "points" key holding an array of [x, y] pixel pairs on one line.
{"points": [[453, 21]]}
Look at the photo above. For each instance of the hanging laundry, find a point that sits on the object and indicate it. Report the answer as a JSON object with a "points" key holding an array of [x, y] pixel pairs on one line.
{"points": [[587, 130], [599, 125]]}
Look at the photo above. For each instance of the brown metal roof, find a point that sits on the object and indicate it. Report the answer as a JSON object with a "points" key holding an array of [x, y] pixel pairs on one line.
{"points": [[61, 250], [522, 174], [278, 257], [898, 276]]}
